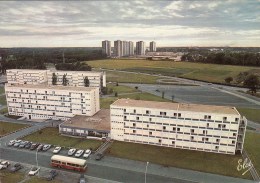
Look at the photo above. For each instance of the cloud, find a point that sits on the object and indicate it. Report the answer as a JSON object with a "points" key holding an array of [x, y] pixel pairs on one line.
{"points": [[169, 22]]}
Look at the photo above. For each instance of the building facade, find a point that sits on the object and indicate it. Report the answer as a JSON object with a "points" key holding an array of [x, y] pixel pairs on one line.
{"points": [[152, 46], [106, 47], [76, 78], [51, 102], [218, 129], [26, 76], [140, 48], [118, 48], [131, 48]]}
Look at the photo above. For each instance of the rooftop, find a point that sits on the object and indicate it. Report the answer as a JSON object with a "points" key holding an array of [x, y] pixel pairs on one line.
{"points": [[177, 106], [46, 86], [100, 121], [28, 70]]}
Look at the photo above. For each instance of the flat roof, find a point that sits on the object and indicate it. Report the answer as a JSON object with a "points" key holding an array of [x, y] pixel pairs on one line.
{"points": [[55, 87], [100, 121], [177, 106], [31, 70], [64, 71]]}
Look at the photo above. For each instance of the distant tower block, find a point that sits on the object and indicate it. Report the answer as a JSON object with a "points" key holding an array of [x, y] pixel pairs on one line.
{"points": [[106, 47], [152, 46]]}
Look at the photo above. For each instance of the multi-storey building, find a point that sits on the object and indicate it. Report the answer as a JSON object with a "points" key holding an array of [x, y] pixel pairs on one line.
{"points": [[51, 102], [106, 47], [131, 48], [26, 76], [140, 48], [152, 46], [76, 78], [218, 129], [118, 48]]}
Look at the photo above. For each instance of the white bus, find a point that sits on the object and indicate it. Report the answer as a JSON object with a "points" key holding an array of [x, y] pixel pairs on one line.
{"points": [[69, 163]]}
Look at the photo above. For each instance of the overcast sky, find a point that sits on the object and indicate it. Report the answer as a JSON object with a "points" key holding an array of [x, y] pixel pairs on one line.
{"points": [[169, 23]]}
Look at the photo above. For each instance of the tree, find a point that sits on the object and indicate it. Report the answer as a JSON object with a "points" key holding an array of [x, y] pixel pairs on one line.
{"points": [[252, 82], [229, 79], [116, 94], [54, 79], [86, 82], [163, 94], [64, 80]]}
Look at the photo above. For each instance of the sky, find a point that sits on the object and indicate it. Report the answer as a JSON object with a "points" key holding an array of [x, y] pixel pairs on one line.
{"points": [[168, 23]]}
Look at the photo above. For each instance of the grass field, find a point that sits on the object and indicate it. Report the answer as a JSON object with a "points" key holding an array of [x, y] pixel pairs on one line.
{"points": [[6, 128], [106, 102], [3, 100], [250, 114], [252, 147], [194, 160], [200, 71], [2, 90], [121, 89], [7, 177], [4, 111], [52, 136], [40, 180]]}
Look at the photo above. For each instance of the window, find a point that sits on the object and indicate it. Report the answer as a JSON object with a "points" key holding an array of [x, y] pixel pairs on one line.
{"points": [[150, 119], [223, 126], [147, 125], [204, 132], [175, 114], [163, 113], [209, 117], [191, 138], [234, 134], [160, 141], [134, 111], [219, 126], [205, 117], [216, 147], [137, 118], [237, 119], [217, 140], [147, 112], [179, 114], [174, 129], [124, 117], [207, 124], [224, 118], [178, 129], [150, 133], [233, 142], [173, 142], [124, 110], [133, 124], [192, 130], [134, 131]]}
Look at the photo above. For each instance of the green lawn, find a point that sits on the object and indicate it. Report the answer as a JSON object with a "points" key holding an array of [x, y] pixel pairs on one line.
{"points": [[7, 177], [4, 111], [6, 128], [52, 136], [106, 102], [200, 71], [121, 89], [250, 114], [40, 180], [194, 160], [2, 90], [252, 147], [3, 100]]}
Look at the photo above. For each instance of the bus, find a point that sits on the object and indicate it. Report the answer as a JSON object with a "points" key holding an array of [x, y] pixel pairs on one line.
{"points": [[69, 163]]}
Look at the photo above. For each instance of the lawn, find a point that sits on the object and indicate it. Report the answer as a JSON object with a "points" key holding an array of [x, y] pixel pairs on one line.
{"points": [[52, 136], [106, 102], [250, 114], [3, 100], [6, 128], [206, 72], [187, 159], [2, 90], [252, 147], [121, 89], [40, 180], [4, 111], [7, 177]]}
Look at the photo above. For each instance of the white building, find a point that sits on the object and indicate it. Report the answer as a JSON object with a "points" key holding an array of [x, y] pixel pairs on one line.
{"points": [[76, 78], [51, 102], [152, 46], [218, 129], [106, 47], [131, 48], [26, 76], [140, 48], [118, 48]]}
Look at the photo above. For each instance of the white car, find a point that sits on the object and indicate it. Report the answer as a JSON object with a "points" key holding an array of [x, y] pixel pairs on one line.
{"points": [[79, 153], [71, 152], [12, 142], [34, 170], [87, 153], [57, 150], [4, 164]]}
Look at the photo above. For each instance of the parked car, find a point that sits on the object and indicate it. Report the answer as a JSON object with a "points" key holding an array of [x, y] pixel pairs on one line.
{"points": [[27, 146], [23, 144], [4, 164], [79, 153], [71, 151], [34, 170], [56, 150], [99, 156], [17, 143], [16, 167], [87, 153], [82, 179], [11, 142], [34, 146], [46, 147], [39, 148], [52, 174]]}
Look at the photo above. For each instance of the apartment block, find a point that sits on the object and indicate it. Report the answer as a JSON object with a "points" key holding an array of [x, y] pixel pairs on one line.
{"points": [[152, 46], [131, 48], [51, 102], [106, 47], [140, 48], [26, 76], [218, 129], [118, 48], [76, 78]]}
